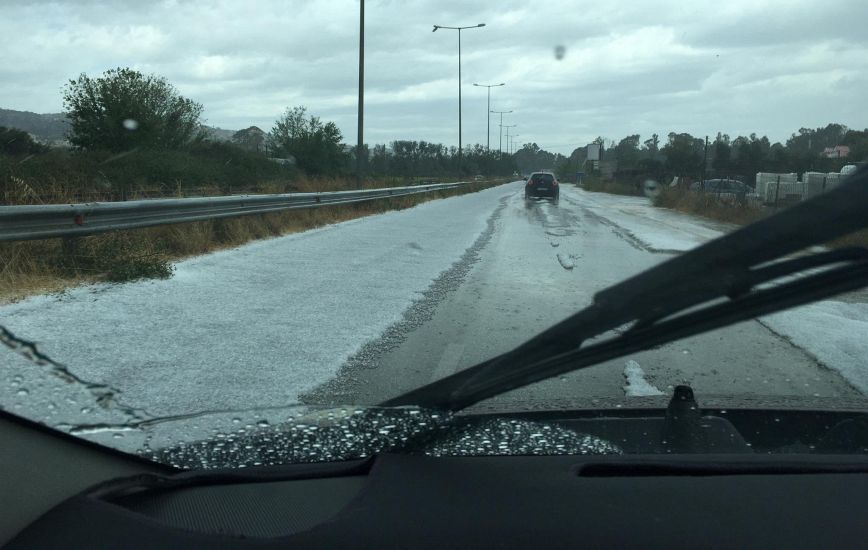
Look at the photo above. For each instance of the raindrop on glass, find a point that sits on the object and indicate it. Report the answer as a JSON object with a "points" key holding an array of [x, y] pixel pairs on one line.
{"points": [[131, 124]]}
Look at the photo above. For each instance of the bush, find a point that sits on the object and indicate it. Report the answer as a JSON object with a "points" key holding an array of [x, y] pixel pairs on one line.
{"points": [[708, 205], [598, 185], [116, 257], [124, 110], [63, 175], [18, 142]]}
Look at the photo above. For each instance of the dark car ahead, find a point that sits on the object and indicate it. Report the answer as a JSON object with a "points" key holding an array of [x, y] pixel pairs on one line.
{"points": [[542, 185]]}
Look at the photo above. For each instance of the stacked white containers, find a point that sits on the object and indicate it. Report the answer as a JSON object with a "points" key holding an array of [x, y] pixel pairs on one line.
{"points": [[832, 179], [767, 186], [814, 183]]}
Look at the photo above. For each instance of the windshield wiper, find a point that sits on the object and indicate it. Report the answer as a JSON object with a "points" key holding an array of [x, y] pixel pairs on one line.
{"points": [[717, 284]]}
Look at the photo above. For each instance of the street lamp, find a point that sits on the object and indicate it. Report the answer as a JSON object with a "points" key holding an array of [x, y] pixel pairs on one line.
{"points": [[488, 119], [459, 29], [501, 113], [361, 118], [508, 126], [512, 143]]}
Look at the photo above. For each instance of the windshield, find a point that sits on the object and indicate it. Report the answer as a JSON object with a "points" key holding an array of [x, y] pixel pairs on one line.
{"points": [[251, 226]]}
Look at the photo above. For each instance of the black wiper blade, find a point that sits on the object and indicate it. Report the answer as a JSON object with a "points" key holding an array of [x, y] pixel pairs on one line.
{"points": [[732, 266]]}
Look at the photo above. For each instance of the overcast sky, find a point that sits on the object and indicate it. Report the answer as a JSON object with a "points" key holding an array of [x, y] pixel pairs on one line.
{"points": [[629, 66]]}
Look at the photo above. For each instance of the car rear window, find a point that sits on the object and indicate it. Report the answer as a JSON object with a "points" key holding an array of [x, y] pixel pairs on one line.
{"points": [[543, 178]]}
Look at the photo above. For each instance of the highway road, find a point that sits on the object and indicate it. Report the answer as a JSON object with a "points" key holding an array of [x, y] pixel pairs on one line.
{"points": [[539, 263], [361, 311]]}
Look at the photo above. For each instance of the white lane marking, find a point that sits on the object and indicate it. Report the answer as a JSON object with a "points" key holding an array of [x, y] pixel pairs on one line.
{"points": [[448, 361], [637, 386]]}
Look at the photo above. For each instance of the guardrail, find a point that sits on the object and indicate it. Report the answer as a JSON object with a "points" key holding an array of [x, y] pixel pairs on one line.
{"points": [[20, 223]]}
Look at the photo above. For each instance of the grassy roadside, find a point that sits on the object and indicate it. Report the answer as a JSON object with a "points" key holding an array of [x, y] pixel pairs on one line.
{"points": [[597, 184], [50, 265], [708, 206]]}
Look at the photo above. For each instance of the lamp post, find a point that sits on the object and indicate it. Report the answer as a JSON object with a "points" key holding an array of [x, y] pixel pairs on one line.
{"points": [[361, 118], [501, 113], [508, 126], [488, 117], [512, 144], [459, 29]]}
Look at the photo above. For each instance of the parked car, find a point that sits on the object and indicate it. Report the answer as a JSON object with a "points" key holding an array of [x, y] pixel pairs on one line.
{"points": [[729, 186], [542, 185], [727, 190]]}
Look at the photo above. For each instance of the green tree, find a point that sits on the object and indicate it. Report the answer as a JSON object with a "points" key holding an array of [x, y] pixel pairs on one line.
{"points": [[857, 141], [722, 153], [251, 139], [316, 146], [627, 152], [124, 109], [19, 142], [652, 146], [683, 154]]}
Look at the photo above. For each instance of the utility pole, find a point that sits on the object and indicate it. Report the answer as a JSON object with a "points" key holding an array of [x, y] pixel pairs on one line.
{"points": [[361, 118], [501, 113], [705, 161]]}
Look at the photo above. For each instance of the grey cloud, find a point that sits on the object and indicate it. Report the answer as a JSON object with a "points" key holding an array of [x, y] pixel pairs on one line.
{"points": [[629, 67]]}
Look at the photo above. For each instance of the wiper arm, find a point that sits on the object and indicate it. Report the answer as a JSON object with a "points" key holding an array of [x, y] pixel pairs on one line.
{"points": [[732, 266]]}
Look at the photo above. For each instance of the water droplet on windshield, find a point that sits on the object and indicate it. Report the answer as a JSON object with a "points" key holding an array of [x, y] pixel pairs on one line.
{"points": [[131, 124], [560, 52], [23, 391], [262, 423]]}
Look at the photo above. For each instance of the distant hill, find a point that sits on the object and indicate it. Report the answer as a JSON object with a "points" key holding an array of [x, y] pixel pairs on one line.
{"points": [[51, 128], [219, 134], [47, 128]]}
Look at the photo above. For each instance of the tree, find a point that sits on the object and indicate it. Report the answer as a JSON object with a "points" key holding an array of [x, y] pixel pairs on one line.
{"points": [[652, 145], [857, 141], [251, 139], [683, 157], [627, 152], [722, 153], [19, 142], [316, 146], [125, 109]]}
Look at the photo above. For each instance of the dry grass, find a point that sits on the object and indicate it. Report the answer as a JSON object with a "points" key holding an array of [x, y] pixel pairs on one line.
{"points": [[709, 206], [598, 185], [860, 238], [34, 267]]}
